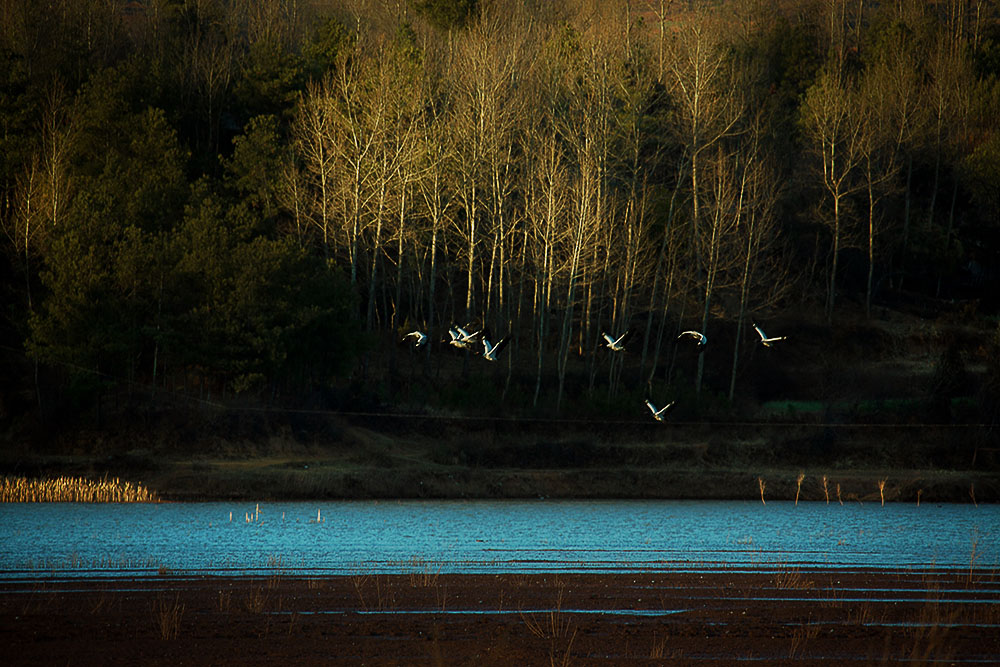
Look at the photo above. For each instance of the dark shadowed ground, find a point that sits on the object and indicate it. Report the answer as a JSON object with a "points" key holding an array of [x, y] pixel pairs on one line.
{"points": [[773, 616]]}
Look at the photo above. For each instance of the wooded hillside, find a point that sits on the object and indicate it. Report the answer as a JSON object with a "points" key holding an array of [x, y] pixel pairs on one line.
{"points": [[219, 199]]}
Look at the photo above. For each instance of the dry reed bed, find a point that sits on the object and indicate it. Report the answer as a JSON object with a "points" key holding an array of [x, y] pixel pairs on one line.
{"points": [[73, 490]]}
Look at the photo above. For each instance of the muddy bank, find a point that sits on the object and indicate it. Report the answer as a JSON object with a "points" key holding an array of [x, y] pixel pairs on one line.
{"points": [[778, 615], [246, 456], [264, 480]]}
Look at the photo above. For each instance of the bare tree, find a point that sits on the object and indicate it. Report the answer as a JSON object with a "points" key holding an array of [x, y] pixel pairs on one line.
{"points": [[876, 147], [948, 101], [486, 73], [360, 116], [700, 79], [208, 68], [666, 274], [24, 221], [57, 139], [290, 195], [833, 128], [388, 119], [903, 113], [546, 190], [313, 133], [762, 274], [435, 153]]}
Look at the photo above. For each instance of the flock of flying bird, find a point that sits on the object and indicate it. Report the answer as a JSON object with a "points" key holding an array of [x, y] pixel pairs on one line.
{"points": [[460, 338]]}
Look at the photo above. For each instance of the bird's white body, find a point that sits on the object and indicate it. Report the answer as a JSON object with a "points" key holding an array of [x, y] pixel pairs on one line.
{"points": [[490, 350], [419, 338], [461, 338], [697, 335], [616, 344], [764, 339], [658, 414]]}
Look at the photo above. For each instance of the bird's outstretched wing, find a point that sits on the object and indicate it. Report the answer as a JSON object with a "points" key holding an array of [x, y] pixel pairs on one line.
{"points": [[419, 338], [501, 344], [697, 335], [658, 413], [491, 350], [764, 338]]}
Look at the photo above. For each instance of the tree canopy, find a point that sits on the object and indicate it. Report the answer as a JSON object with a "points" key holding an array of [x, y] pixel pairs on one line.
{"points": [[227, 197]]}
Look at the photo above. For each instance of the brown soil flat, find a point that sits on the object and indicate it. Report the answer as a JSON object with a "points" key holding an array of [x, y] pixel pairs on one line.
{"points": [[769, 616]]}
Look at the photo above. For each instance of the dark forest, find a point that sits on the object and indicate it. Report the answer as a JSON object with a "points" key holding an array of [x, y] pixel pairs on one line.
{"points": [[252, 203]]}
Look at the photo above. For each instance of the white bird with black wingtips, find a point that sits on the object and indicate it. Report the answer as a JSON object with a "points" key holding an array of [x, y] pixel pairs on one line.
{"points": [[658, 414], [697, 335], [617, 344], [767, 341], [490, 351]]}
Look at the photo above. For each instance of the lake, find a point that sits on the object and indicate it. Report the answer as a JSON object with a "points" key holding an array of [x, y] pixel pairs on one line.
{"points": [[316, 538]]}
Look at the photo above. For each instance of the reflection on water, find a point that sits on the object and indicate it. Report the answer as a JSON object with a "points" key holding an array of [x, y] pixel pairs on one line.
{"points": [[487, 536]]}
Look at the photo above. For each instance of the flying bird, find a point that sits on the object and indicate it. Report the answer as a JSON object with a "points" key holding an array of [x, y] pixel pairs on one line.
{"points": [[697, 335], [461, 338], [419, 338], [491, 351], [617, 344], [658, 414], [764, 338]]}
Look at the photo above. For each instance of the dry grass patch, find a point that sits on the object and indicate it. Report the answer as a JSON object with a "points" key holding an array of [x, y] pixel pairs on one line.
{"points": [[792, 578], [167, 616], [73, 490]]}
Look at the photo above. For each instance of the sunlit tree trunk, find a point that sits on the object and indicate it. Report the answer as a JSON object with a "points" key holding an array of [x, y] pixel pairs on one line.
{"points": [[834, 130], [313, 130], [700, 78]]}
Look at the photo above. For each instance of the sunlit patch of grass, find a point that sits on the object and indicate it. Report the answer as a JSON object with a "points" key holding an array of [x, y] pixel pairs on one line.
{"points": [[73, 490]]}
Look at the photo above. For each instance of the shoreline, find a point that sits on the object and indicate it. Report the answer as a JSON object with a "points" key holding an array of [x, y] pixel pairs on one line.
{"points": [[271, 479], [230, 456], [265, 481], [783, 615]]}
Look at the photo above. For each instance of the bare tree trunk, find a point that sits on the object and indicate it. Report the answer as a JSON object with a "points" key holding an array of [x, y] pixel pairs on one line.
{"points": [[907, 198], [376, 248], [400, 257], [831, 292], [744, 278]]}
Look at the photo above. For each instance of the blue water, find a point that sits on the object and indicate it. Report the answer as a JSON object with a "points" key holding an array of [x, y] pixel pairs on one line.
{"points": [[487, 536]]}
